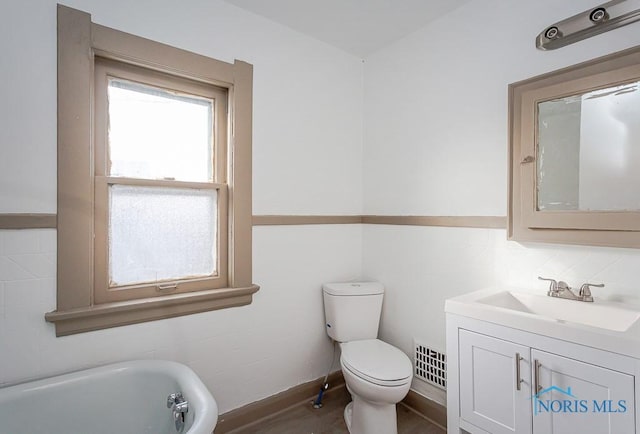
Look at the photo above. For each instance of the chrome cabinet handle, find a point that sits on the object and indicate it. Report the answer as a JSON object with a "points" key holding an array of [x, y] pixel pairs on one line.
{"points": [[518, 377], [536, 376]]}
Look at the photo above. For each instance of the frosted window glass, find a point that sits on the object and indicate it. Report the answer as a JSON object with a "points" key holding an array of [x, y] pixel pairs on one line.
{"points": [[156, 134], [159, 234]]}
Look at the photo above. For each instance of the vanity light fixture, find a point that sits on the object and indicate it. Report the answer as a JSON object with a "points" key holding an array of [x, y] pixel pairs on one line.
{"points": [[608, 16]]}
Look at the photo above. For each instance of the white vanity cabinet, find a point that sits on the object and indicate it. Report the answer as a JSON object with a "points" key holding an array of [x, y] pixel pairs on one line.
{"points": [[490, 371], [598, 392], [495, 371]]}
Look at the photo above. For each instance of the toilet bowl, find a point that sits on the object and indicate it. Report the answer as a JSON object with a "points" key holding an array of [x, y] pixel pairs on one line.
{"points": [[378, 376]]}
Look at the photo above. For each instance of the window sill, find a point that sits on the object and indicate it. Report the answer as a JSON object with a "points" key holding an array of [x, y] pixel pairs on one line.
{"points": [[136, 311]]}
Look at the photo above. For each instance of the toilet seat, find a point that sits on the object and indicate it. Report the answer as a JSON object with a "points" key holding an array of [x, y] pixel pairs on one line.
{"points": [[376, 362]]}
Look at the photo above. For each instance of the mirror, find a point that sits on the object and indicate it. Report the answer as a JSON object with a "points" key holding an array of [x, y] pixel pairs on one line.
{"points": [[588, 153], [574, 152]]}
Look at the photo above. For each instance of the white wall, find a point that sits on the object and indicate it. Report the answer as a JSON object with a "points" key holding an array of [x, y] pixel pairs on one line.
{"points": [[307, 160], [436, 144], [307, 100]]}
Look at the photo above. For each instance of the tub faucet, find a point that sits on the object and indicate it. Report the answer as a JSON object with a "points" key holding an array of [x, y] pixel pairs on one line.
{"points": [[179, 406], [177, 403]]}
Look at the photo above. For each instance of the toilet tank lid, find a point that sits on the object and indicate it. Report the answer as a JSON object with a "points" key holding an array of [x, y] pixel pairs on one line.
{"points": [[353, 288]]}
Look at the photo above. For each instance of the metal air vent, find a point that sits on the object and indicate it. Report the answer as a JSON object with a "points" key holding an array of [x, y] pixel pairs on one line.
{"points": [[430, 365]]}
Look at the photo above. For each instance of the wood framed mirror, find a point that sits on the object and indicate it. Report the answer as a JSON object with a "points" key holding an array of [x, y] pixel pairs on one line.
{"points": [[574, 154]]}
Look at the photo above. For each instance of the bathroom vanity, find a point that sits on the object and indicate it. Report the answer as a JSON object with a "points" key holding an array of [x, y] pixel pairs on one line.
{"points": [[522, 362]]}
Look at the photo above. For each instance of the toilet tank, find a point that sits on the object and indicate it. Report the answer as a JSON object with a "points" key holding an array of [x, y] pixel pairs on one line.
{"points": [[352, 310]]}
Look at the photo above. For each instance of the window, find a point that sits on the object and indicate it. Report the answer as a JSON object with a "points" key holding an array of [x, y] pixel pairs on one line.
{"points": [[160, 184], [154, 179]]}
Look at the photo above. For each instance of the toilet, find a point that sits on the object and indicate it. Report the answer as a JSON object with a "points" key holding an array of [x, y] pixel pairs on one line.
{"points": [[378, 375]]}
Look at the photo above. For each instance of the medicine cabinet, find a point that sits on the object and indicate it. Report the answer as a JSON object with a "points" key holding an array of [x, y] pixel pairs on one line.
{"points": [[574, 154]]}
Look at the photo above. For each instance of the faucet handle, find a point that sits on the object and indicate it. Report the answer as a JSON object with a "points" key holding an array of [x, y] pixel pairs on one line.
{"points": [[585, 290], [174, 398], [553, 285]]}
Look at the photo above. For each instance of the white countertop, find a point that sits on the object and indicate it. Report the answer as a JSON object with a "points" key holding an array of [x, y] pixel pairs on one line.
{"points": [[626, 342]]}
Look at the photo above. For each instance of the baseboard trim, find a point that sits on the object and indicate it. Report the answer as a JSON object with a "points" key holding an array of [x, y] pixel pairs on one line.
{"points": [[435, 412], [254, 412]]}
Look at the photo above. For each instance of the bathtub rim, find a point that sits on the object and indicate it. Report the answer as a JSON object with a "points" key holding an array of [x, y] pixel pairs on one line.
{"points": [[200, 399]]}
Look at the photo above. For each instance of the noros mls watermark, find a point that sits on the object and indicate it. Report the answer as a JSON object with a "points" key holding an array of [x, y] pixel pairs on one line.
{"points": [[571, 404]]}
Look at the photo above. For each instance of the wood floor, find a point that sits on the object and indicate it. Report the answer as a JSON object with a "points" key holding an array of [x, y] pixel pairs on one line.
{"points": [[304, 419]]}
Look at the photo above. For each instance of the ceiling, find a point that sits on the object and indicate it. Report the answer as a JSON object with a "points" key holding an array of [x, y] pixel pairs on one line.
{"points": [[359, 27]]}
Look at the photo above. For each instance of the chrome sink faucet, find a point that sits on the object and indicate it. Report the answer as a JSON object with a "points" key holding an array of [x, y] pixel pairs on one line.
{"points": [[563, 290]]}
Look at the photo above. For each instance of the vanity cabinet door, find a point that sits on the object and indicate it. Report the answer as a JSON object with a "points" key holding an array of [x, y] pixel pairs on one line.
{"points": [[489, 394], [577, 397]]}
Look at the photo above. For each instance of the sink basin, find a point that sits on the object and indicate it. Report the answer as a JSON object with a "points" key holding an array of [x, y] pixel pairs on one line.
{"points": [[602, 314]]}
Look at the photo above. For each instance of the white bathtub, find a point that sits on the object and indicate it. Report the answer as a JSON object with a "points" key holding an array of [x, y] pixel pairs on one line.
{"points": [[129, 397]]}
